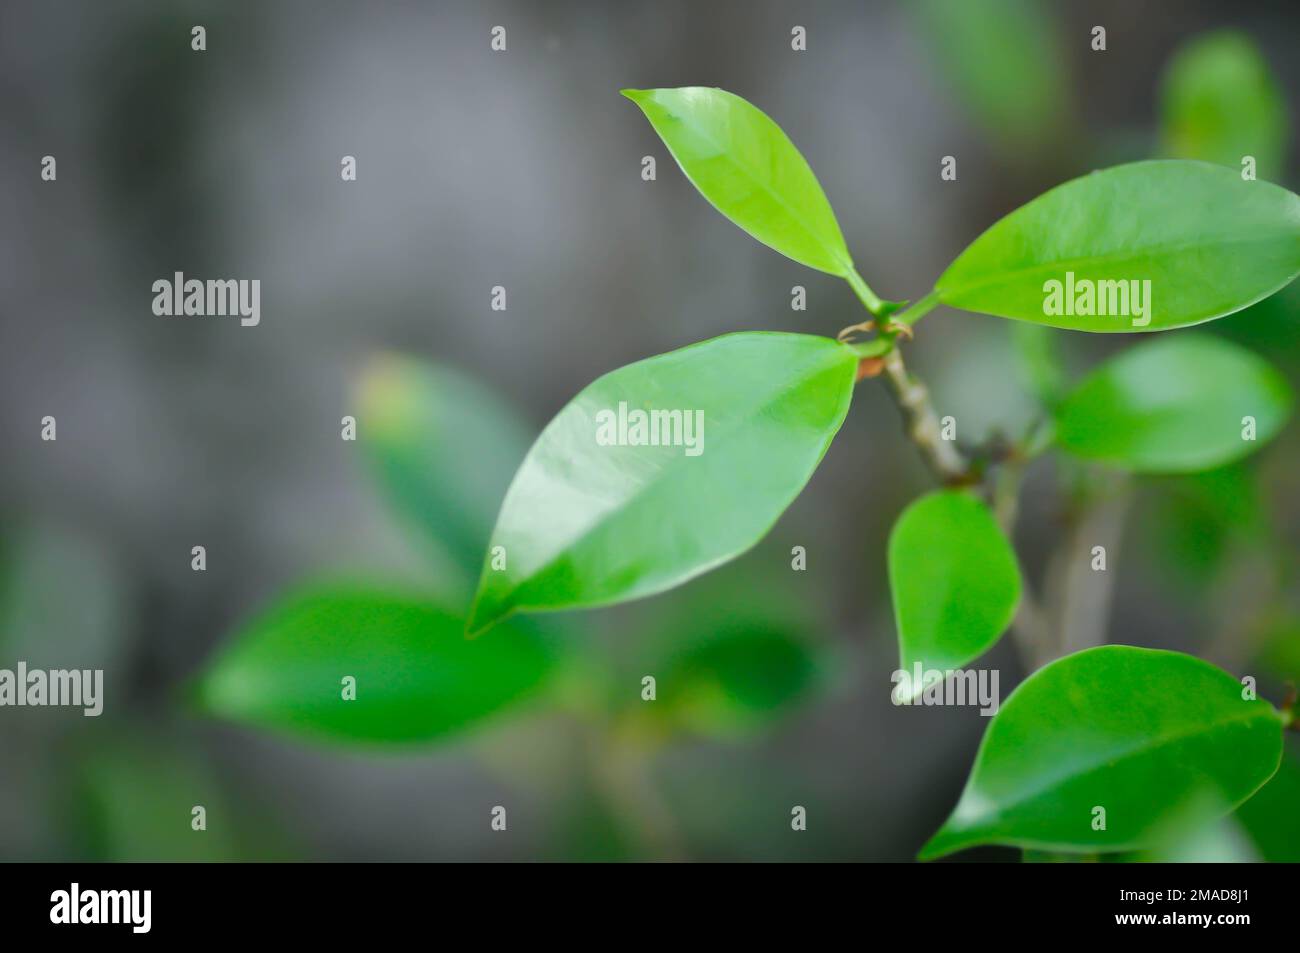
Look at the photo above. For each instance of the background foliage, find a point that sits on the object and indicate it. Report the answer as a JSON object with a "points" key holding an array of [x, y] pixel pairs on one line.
{"points": [[377, 304]]}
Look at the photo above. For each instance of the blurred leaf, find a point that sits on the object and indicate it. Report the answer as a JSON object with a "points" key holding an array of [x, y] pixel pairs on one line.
{"points": [[1220, 102], [760, 605], [443, 447], [417, 678], [135, 800], [1173, 405], [591, 520], [1269, 326], [749, 170], [1202, 241], [1005, 65], [738, 679], [954, 581], [1279, 643], [1145, 735], [1221, 841], [1197, 517], [1039, 361], [1272, 816]]}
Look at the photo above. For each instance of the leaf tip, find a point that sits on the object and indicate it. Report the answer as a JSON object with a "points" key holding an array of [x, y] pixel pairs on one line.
{"points": [[483, 615], [941, 844]]}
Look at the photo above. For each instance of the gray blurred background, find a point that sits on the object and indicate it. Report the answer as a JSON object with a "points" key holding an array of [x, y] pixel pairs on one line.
{"points": [[477, 169]]}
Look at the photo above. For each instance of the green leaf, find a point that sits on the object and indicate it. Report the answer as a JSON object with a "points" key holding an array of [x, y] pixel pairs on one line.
{"points": [[587, 523], [737, 679], [1173, 405], [1219, 841], [1004, 63], [1220, 102], [749, 170], [732, 652], [1145, 735], [443, 448], [954, 581], [417, 677], [1196, 522], [1193, 240]]}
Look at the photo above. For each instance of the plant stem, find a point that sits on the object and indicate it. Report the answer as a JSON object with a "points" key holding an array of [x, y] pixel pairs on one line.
{"points": [[1080, 597], [921, 423], [868, 297], [917, 310], [1032, 624]]}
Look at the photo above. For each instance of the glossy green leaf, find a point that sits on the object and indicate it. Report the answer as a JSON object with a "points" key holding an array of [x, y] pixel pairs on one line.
{"points": [[749, 170], [417, 677], [443, 448], [954, 581], [1220, 102], [1143, 247], [1005, 66], [593, 518], [1145, 735], [1174, 405]]}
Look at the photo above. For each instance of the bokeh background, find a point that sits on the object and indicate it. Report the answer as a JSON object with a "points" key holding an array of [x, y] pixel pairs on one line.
{"points": [[522, 169]]}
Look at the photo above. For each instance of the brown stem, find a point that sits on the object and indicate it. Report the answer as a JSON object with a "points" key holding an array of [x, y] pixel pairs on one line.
{"points": [[921, 423]]}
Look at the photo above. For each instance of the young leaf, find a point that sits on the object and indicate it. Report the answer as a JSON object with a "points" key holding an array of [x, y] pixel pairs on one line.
{"points": [[1174, 405], [416, 675], [1140, 247], [1099, 750], [1220, 103], [443, 447], [664, 469], [749, 170], [954, 581]]}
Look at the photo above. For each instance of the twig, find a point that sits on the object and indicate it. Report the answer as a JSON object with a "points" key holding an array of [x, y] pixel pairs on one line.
{"points": [[921, 423]]}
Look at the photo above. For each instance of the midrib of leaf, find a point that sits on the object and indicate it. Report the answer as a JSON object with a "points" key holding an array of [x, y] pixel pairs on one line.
{"points": [[1004, 277], [660, 477], [754, 177], [1122, 753]]}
